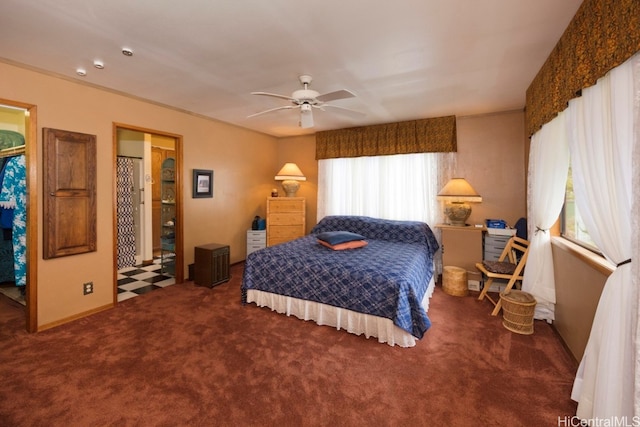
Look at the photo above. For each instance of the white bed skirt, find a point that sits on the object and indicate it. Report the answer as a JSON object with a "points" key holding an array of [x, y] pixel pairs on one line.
{"points": [[340, 318]]}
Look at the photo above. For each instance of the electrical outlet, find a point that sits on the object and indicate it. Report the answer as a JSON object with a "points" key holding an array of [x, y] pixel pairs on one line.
{"points": [[87, 288]]}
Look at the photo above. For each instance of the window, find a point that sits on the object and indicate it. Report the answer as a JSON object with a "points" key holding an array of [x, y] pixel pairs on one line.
{"points": [[402, 186], [573, 227]]}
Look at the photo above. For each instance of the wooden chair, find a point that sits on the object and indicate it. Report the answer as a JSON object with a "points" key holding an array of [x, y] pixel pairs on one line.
{"points": [[510, 266]]}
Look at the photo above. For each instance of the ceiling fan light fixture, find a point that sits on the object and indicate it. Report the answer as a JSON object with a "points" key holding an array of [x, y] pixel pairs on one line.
{"points": [[306, 99], [306, 118]]}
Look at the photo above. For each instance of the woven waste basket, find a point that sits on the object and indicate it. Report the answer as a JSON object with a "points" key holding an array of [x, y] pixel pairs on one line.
{"points": [[517, 311], [454, 281]]}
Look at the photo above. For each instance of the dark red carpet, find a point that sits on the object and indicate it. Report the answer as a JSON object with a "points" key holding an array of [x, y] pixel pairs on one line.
{"points": [[192, 356]]}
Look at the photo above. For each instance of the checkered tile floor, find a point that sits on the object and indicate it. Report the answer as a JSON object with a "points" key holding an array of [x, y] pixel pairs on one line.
{"points": [[140, 279]]}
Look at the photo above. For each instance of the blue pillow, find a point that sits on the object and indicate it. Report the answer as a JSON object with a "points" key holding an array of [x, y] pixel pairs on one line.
{"points": [[337, 237]]}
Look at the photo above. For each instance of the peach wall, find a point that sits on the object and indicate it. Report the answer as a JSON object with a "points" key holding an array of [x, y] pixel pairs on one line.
{"points": [[578, 289], [491, 155], [243, 162]]}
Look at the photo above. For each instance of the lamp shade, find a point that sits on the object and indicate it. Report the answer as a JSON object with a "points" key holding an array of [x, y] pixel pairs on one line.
{"points": [[290, 171], [459, 190]]}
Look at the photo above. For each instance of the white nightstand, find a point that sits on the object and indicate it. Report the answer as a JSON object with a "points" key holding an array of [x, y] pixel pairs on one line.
{"points": [[256, 239]]}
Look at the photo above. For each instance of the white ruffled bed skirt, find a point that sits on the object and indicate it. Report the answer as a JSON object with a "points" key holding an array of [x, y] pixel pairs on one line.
{"points": [[340, 318]]}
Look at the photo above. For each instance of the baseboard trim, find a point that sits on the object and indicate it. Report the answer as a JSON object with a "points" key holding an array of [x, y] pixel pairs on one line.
{"points": [[74, 317]]}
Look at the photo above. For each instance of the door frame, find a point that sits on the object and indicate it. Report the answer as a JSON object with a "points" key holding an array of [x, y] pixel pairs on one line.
{"points": [[31, 158], [179, 242]]}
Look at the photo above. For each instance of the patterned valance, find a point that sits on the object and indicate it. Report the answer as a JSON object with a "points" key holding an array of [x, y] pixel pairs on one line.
{"points": [[413, 136], [602, 35]]}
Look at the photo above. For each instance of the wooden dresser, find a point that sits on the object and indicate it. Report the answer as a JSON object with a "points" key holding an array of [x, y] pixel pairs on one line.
{"points": [[285, 219]]}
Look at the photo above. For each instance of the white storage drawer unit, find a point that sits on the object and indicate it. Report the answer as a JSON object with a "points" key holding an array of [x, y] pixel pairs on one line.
{"points": [[494, 245], [256, 239]]}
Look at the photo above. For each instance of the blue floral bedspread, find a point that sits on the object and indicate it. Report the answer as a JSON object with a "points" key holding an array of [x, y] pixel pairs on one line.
{"points": [[387, 278]]}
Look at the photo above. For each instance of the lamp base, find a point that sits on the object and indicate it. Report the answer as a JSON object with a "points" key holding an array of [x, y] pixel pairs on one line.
{"points": [[290, 187], [457, 213]]}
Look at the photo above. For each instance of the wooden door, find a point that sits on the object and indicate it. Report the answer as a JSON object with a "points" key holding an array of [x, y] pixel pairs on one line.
{"points": [[70, 193]]}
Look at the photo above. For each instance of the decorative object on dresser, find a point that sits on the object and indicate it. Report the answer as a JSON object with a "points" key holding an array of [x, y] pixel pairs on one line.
{"points": [[457, 195], [211, 264], [285, 219], [290, 174]]}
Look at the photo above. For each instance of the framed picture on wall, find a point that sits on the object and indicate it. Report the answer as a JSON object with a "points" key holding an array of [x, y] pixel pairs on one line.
{"points": [[202, 183]]}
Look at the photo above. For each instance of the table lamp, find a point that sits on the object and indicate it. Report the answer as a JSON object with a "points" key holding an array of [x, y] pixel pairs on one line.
{"points": [[457, 195], [290, 175]]}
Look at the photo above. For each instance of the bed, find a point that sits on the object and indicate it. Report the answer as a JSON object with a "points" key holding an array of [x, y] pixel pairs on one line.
{"points": [[380, 290]]}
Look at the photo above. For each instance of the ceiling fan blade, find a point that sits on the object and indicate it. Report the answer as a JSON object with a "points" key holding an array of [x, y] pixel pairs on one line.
{"points": [[306, 119], [275, 95], [286, 107], [347, 111], [332, 96]]}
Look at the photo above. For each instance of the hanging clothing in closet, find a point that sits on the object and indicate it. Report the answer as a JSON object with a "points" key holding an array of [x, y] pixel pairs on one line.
{"points": [[7, 274], [13, 197]]}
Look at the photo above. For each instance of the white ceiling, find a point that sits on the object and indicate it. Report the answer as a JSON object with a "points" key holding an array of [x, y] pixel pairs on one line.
{"points": [[404, 59]]}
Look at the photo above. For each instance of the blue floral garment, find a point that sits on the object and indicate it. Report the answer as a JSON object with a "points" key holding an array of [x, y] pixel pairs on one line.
{"points": [[6, 215], [14, 196]]}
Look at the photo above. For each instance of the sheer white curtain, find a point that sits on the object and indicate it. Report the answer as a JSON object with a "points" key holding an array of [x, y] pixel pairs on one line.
{"points": [[402, 187], [635, 226], [548, 168], [601, 141]]}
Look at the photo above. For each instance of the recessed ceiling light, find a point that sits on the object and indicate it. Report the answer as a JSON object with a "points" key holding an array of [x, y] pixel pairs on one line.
{"points": [[127, 52], [98, 64], [81, 72]]}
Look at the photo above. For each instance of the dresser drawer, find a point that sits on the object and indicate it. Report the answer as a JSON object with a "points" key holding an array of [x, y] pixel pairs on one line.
{"points": [[491, 255], [495, 243], [285, 231], [278, 219], [286, 204], [254, 236]]}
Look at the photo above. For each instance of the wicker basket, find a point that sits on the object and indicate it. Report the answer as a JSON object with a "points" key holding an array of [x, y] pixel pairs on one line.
{"points": [[517, 311], [454, 281]]}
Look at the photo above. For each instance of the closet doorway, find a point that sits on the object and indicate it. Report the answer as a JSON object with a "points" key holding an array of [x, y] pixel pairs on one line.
{"points": [[18, 149], [147, 206]]}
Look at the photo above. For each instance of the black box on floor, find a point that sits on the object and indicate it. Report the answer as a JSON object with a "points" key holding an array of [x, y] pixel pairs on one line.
{"points": [[211, 264]]}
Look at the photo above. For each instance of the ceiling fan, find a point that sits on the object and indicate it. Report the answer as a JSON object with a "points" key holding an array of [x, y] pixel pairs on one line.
{"points": [[307, 99]]}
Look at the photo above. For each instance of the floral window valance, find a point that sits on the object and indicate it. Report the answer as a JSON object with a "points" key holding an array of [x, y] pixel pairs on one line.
{"points": [[602, 35], [413, 136]]}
